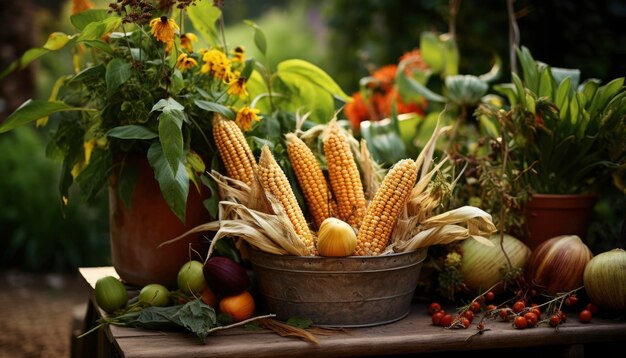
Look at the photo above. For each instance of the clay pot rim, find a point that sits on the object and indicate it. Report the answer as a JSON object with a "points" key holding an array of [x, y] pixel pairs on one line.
{"points": [[557, 200]]}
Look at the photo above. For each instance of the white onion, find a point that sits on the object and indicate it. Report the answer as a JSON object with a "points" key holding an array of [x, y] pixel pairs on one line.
{"points": [[482, 265], [605, 280]]}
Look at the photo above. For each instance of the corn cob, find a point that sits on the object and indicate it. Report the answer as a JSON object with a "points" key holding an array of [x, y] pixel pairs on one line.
{"points": [[385, 208], [311, 179], [233, 149], [345, 179], [274, 181]]}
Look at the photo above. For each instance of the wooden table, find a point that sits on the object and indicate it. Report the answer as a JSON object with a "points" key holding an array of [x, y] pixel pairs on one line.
{"points": [[413, 334]]}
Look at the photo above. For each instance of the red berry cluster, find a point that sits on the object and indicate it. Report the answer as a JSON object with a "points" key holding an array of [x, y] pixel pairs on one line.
{"points": [[461, 319]]}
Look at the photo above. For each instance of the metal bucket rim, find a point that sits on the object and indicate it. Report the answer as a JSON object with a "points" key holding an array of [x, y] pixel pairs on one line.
{"points": [[421, 251]]}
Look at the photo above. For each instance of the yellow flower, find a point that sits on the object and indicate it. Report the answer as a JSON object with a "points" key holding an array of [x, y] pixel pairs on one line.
{"points": [[184, 62], [216, 63], [164, 29], [237, 87], [245, 117], [238, 54], [186, 40], [80, 6]]}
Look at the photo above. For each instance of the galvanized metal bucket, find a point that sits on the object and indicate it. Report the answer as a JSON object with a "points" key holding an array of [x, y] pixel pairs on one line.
{"points": [[355, 291]]}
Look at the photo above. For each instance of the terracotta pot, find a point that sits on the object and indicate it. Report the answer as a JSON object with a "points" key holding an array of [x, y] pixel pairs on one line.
{"points": [[138, 230], [549, 215]]}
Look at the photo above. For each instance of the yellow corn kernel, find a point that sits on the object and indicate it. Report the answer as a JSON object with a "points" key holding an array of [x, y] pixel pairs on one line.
{"points": [[385, 208], [233, 149], [344, 176], [274, 181], [312, 181]]}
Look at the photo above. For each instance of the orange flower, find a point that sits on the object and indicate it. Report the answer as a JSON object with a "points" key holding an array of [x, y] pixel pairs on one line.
{"points": [[238, 54], [164, 29], [80, 6], [245, 117], [184, 62], [414, 62], [237, 87], [356, 111], [216, 63], [386, 77], [186, 40]]}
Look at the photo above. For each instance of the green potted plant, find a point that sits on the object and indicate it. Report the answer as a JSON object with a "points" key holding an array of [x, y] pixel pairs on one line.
{"points": [[134, 117], [563, 141]]}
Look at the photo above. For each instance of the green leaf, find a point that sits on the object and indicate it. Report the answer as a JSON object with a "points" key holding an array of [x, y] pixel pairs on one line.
{"points": [[100, 45], [33, 110], [127, 183], [495, 71], [313, 74], [94, 177], [302, 95], [171, 136], [448, 45], [561, 74], [259, 37], [529, 67], [167, 103], [90, 72], [248, 68], [82, 19], [95, 30], [545, 84], [465, 89], [519, 88], [562, 97], [118, 72], [174, 186], [132, 132], [215, 107], [203, 16], [197, 317], [605, 93], [409, 85], [431, 52], [56, 41], [300, 322]]}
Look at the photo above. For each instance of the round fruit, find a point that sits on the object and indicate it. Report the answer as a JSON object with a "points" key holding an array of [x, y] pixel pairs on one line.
{"points": [[433, 308], [240, 306], [446, 320], [584, 316], [110, 294], [225, 276], [520, 322], [191, 278], [155, 294]]}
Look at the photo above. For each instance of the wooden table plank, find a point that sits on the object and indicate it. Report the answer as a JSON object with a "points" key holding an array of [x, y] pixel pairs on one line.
{"points": [[413, 334]]}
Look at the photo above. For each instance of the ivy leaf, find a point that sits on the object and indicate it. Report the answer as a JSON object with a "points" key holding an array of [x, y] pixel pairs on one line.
{"points": [[33, 110], [174, 185], [118, 72], [132, 132], [203, 16]]}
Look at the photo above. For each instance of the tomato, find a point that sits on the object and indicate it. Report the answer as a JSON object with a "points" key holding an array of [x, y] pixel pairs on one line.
{"points": [[433, 308], [584, 316], [518, 306], [446, 320], [436, 318], [469, 315], [491, 307], [555, 320], [592, 308], [465, 322], [489, 296], [475, 307], [520, 322], [531, 318], [571, 300], [504, 314]]}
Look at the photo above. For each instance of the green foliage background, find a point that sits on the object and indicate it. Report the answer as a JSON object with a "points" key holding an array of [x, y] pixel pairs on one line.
{"points": [[344, 37]]}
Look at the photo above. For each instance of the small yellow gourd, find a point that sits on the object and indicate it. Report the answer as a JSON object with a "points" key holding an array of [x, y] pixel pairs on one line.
{"points": [[335, 238]]}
